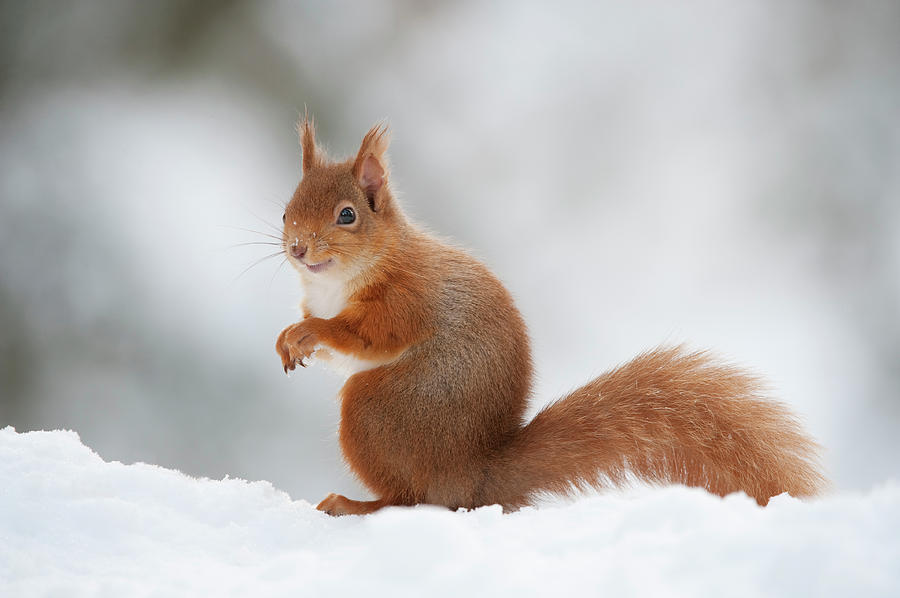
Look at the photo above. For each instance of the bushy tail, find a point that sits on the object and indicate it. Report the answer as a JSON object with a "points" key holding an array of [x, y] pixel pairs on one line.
{"points": [[667, 416]]}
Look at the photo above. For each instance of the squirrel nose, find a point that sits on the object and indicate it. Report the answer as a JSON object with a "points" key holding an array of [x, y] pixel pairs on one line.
{"points": [[298, 252]]}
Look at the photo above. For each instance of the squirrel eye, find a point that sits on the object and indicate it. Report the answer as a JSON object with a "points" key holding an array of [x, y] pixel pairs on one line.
{"points": [[347, 216], [284, 217]]}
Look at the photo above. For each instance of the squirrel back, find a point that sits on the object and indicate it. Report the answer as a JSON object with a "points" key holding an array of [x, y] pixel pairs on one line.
{"points": [[440, 372]]}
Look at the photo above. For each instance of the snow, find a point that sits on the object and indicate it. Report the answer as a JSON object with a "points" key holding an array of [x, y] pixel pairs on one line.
{"points": [[72, 524]]}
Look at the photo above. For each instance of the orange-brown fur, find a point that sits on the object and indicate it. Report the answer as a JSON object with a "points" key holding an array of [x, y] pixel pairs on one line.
{"points": [[438, 416]]}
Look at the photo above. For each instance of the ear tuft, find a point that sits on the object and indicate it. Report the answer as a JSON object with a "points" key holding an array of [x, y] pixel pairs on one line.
{"points": [[307, 131], [371, 166]]}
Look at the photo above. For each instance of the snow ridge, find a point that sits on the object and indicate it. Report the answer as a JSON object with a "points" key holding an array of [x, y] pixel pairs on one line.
{"points": [[72, 524]]}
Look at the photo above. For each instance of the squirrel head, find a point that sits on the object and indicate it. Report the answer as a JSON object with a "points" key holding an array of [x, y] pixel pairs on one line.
{"points": [[342, 214]]}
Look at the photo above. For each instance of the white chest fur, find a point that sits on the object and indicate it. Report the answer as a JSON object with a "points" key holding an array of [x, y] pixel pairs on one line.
{"points": [[325, 296]]}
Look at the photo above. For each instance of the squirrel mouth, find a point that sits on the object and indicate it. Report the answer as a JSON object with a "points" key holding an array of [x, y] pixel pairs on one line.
{"points": [[316, 268]]}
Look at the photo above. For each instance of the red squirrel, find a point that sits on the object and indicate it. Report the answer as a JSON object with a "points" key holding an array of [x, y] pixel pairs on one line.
{"points": [[440, 372]]}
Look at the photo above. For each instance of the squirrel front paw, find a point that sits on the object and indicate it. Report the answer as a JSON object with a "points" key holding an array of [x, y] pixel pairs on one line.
{"points": [[294, 344]]}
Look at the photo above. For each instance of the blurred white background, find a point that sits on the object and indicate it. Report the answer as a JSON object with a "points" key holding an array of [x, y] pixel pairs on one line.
{"points": [[724, 174]]}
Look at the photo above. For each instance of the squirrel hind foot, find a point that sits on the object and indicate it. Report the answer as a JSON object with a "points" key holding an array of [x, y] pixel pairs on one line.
{"points": [[337, 505]]}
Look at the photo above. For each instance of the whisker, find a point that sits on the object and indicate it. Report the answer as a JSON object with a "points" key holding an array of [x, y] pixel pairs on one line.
{"points": [[277, 270], [264, 222], [279, 203], [255, 232], [269, 243], [257, 262]]}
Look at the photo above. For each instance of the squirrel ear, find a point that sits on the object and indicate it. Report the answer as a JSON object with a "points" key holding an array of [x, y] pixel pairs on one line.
{"points": [[370, 168], [307, 131]]}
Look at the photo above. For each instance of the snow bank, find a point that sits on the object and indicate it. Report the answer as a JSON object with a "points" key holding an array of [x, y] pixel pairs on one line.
{"points": [[74, 525]]}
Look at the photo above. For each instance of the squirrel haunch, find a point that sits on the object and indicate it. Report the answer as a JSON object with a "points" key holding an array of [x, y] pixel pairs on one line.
{"points": [[439, 368]]}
